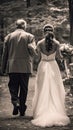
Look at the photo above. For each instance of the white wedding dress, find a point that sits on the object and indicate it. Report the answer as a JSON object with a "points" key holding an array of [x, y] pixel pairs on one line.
{"points": [[49, 98]]}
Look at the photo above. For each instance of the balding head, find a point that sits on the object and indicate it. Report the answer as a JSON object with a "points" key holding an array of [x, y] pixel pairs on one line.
{"points": [[21, 23]]}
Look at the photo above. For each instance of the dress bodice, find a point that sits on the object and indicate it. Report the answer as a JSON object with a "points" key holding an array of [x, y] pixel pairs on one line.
{"points": [[50, 57]]}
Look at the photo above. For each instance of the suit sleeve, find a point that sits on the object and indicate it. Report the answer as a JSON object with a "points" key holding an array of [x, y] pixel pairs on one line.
{"points": [[4, 55], [32, 41], [32, 45], [38, 53]]}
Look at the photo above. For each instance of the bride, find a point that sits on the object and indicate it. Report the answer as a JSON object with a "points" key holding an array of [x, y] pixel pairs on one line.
{"points": [[49, 98]]}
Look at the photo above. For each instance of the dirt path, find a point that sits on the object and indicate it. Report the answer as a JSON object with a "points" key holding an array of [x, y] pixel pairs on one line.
{"points": [[9, 122]]}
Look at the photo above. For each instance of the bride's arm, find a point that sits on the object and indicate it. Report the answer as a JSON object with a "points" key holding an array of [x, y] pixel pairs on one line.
{"points": [[58, 52]]}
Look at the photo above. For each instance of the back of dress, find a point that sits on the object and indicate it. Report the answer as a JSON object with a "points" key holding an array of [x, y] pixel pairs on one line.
{"points": [[48, 102], [50, 57]]}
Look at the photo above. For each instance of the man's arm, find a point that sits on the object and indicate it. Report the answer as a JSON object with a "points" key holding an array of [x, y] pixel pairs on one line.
{"points": [[4, 55], [32, 45], [32, 41]]}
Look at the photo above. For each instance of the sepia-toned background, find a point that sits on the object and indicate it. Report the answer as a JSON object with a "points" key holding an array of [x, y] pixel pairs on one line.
{"points": [[37, 13]]}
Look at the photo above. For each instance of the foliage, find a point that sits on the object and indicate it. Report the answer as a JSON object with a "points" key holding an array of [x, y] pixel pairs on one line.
{"points": [[66, 50]]}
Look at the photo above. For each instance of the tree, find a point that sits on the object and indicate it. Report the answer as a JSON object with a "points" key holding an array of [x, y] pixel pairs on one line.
{"points": [[1, 28], [42, 1], [71, 20], [28, 3]]}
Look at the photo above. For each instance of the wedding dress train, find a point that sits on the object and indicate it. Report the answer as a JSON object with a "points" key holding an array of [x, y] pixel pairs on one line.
{"points": [[49, 98]]}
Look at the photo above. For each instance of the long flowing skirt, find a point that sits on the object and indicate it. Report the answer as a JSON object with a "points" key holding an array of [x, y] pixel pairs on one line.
{"points": [[49, 99]]}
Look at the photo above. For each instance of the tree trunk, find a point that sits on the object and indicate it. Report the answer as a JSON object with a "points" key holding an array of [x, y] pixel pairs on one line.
{"points": [[71, 23], [28, 3], [2, 29], [71, 20], [41, 1]]}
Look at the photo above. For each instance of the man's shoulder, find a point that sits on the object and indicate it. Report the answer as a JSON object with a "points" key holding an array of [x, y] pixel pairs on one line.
{"points": [[23, 33], [29, 34]]}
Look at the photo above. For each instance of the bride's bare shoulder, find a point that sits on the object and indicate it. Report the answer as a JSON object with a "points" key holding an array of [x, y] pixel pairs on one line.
{"points": [[40, 43], [56, 42]]}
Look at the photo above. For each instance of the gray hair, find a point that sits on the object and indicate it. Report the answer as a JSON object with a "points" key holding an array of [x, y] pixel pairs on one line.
{"points": [[21, 23]]}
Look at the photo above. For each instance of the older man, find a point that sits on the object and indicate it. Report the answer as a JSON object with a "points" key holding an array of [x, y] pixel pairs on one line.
{"points": [[16, 61]]}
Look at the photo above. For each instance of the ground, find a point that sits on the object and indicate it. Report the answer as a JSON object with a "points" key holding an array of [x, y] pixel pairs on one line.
{"points": [[10, 122]]}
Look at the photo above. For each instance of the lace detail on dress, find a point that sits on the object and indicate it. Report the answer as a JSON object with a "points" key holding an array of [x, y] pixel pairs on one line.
{"points": [[50, 57]]}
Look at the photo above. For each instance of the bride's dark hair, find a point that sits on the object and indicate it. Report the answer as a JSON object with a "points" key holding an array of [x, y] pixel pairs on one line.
{"points": [[49, 41]]}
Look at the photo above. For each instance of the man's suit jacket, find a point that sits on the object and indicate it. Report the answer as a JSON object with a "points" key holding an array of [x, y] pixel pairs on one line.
{"points": [[16, 57]]}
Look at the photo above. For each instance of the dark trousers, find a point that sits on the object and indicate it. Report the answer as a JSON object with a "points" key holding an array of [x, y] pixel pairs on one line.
{"points": [[18, 87]]}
